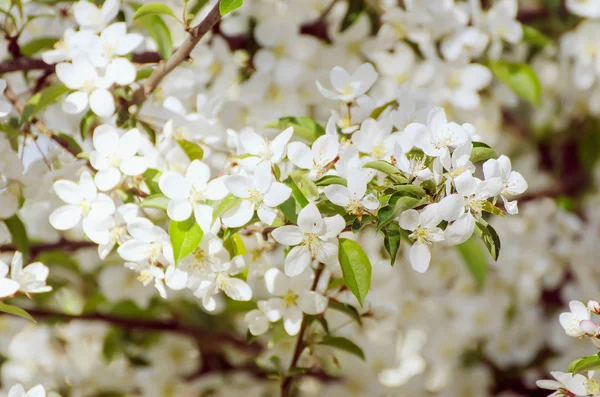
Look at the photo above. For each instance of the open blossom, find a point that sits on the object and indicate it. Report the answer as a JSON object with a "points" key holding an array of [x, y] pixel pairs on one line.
{"points": [[260, 193], [29, 279], [189, 194], [82, 202], [293, 298], [565, 384], [375, 139], [425, 231], [262, 149], [18, 391], [353, 198], [324, 150], [90, 17], [148, 243], [115, 155], [349, 87], [513, 182], [571, 321]]}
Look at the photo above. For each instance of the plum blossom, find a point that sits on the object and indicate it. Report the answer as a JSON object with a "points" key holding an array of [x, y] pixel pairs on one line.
{"points": [[314, 238]]}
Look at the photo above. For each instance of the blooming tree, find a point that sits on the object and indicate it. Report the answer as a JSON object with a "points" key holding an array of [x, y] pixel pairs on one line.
{"points": [[296, 197]]}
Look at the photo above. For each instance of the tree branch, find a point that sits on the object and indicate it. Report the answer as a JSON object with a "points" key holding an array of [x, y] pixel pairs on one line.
{"points": [[179, 56], [62, 244]]}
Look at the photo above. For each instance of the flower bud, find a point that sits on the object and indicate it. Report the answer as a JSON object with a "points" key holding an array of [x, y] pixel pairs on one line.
{"points": [[589, 327], [594, 307]]}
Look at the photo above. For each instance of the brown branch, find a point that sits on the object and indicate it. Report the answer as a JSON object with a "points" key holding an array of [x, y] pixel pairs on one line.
{"points": [[286, 383], [182, 54], [24, 64], [199, 332], [62, 244]]}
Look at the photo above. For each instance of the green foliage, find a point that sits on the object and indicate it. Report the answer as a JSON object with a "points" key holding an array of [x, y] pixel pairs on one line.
{"points": [[37, 45], [41, 100], [378, 110], [355, 8], [482, 152], [191, 149], [590, 363], [520, 77], [396, 205], [226, 6], [534, 37], [475, 259], [185, 237], [347, 309], [86, 124], [16, 311], [234, 245], [158, 200], [331, 180], [304, 127], [392, 236], [153, 9], [158, 30], [19, 234], [356, 268], [343, 344], [224, 205], [151, 177], [489, 236]]}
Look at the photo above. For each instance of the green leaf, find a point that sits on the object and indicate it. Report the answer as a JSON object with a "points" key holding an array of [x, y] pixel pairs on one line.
{"points": [[489, 236], [492, 209], [482, 152], [296, 192], [234, 245], [378, 110], [41, 100], [382, 166], [304, 127], [36, 45], [412, 189], [18, 233], [144, 73], [69, 142], [153, 9], [185, 237], [391, 240], [158, 200], [590, 363], [535, 37], [355, 8], [395, 207], [347, 309], [343, 344], [86, 124], [331, 180], [191, 149], [17, 311], [224, 205], [308, 188], [288, 207], [12, 134], [160, 33], [476, 259], [151, 177], [356, 268], [226, 6], [520, 77]]}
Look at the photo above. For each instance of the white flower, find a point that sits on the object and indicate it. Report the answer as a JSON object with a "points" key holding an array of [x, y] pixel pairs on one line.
{"points": [[469, 41], [324, 150], [89, 17], [260, 193], [115, 155], [566, 384], [375, 139], [257, 321], [460, 162], [349, 87], [353, 197], [189, 194], [502, 21], [584, 8], [111, 230], [149, 272], [466, 205], [423, 226], [32, 278], [148, 243], [18, 391], [513, 182], [294, 298], [314, 238], [439, 136], [5, 106], [570, 321], [74, 45], [83, 201], [7, 286], [89, 88], [113, 44], [415, 167], [263, 150]]}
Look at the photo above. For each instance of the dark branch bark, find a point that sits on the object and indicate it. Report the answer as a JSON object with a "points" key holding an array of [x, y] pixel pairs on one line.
{"points": [[64, 245]]}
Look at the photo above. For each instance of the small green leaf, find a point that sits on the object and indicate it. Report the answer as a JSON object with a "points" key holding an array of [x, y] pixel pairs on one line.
{"points": [[17, 311], [36, 45], [234, 245], [590, 363], [304, 127], [86, 124], [185, 237], [41, 100], [151, 177], [476, 259], [158, 200], [535, 37], [382, 166], [159, 31], [482, 152], [347, 309], [18, 233], [395, 207], [297, 193], [355, 8], [489, 236], [143, 74], [378, 110], [226, 6], [343, 344], [412, 189], [391, 240], [520, 77], [224, 205], [356, 268], [153, 9], [492, 209], [308, 188], [331, 180], [191, 149], [69, 142], [288, 207]]}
